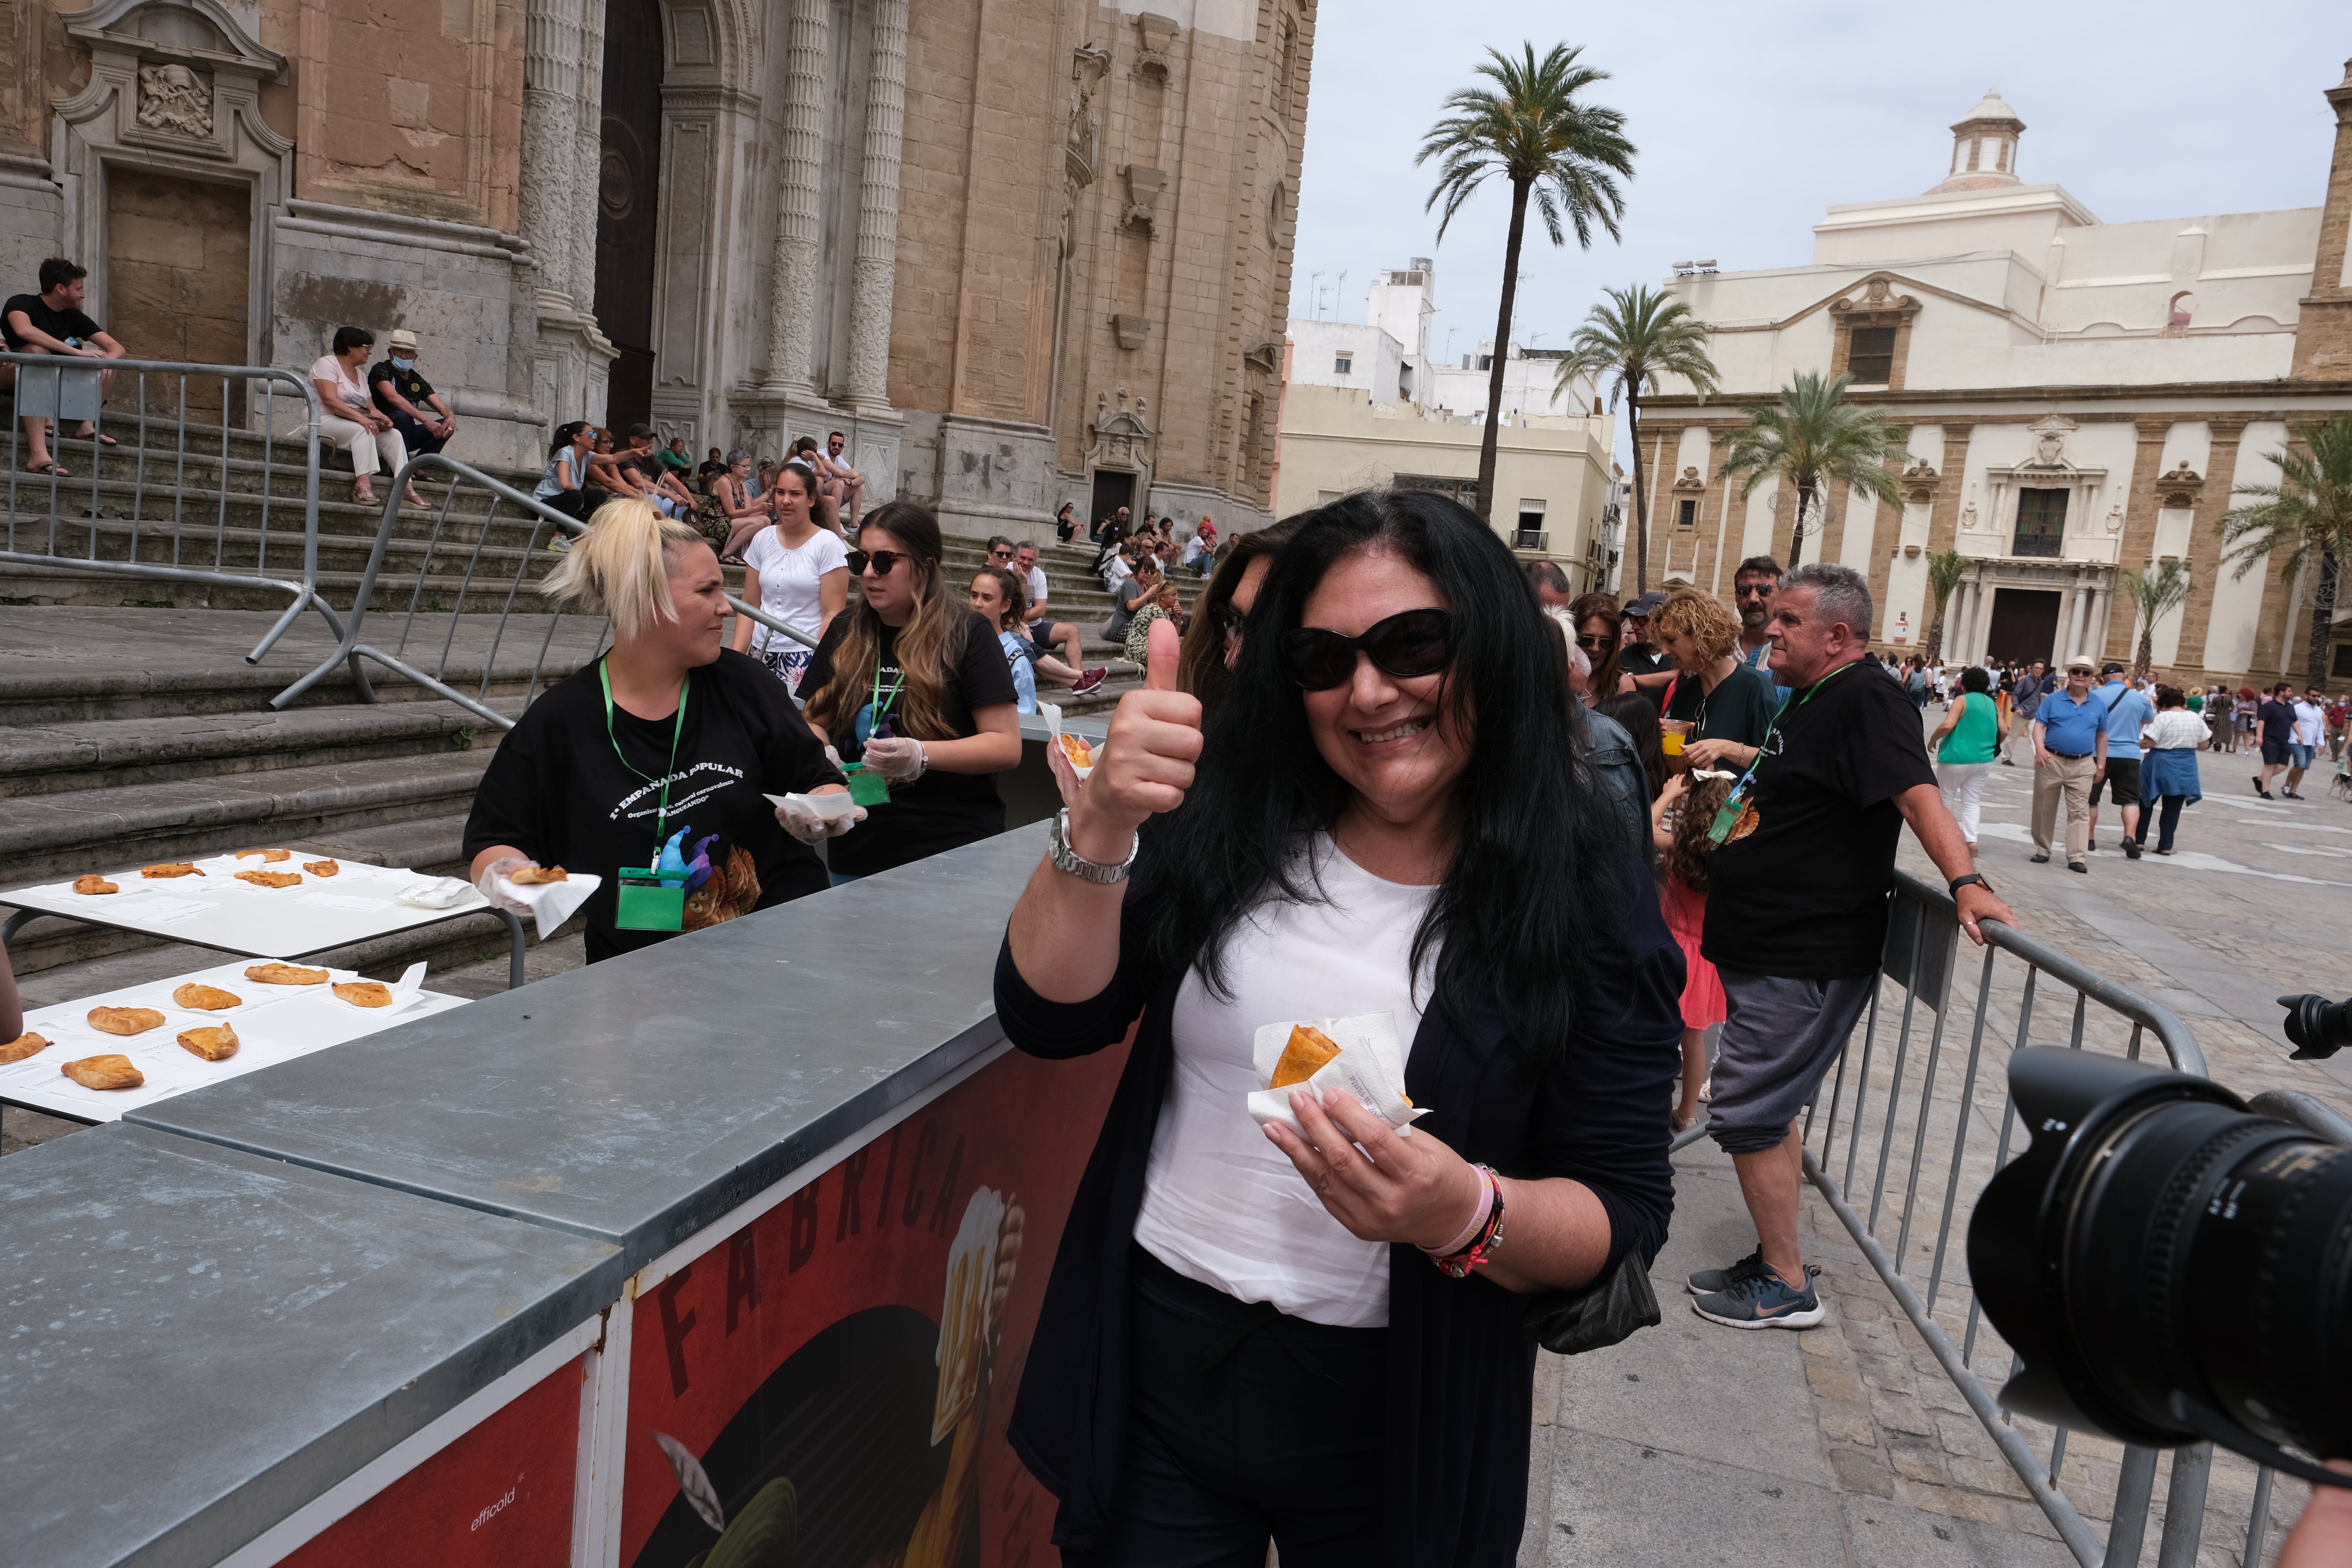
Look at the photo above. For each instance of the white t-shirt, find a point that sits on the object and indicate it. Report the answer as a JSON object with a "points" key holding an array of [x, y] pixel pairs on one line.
{"points": [[2175, 728], [788, 579], [1036, 586], [2310, 723], [332, 371], [1221, 1204]]}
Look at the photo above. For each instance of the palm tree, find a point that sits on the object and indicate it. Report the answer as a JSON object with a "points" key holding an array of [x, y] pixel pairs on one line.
{"points": [[1641, 335], [2309, 509], [1531, 128], [1813, 440], [1943, 573], [2154, 592]]}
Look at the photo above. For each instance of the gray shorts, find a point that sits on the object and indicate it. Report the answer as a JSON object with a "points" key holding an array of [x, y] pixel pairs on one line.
{"points": [[1779, 1038]]}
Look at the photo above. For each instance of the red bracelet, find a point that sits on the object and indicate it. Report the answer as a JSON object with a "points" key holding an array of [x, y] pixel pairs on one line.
{"points": [[1490, 1236]]}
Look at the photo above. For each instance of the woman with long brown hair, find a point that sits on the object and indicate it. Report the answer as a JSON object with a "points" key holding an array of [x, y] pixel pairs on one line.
{"points": [[795, 569], [911, 683], [1599, 628]]}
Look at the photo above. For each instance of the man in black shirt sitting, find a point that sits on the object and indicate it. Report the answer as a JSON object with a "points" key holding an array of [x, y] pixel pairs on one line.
{"points": [[1797, 911], [421, 415], [51, 323]]}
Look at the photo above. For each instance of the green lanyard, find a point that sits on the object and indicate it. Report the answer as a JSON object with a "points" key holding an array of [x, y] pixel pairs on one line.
{"points": [[896, 686], [677, 729], [1727, 817]]}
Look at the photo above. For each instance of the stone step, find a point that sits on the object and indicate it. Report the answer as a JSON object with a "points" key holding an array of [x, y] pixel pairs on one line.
{"points": [[115, 754], [66, 835]]}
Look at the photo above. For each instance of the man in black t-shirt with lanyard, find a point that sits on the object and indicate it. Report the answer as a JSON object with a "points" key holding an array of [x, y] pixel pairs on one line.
{"points": [[1796, 913]]}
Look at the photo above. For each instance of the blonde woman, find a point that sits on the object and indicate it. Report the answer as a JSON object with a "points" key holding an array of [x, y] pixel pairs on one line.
{"points": [[1727, 702], [660, 754], [911, 683], [797, 571]]}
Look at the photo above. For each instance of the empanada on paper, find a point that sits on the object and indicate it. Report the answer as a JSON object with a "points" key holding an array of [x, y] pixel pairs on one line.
{"points": [[94, 884], [320, 868], [104, 1072], [214, 1042], [23, 1046], [364, 993], [1307, 1050], [271, 878], [269, 856], [125, 1020], [198, 997], [535, 876], [275, 974], [170, 869]]}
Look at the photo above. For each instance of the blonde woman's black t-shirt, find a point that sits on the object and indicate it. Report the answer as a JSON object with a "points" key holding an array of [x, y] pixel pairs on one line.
{"points": [[940, 811], [1800, 888], [557, 791]]}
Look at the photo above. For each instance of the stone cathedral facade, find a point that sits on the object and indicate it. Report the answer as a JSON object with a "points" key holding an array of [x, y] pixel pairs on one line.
{"points": [[1019, 251]]}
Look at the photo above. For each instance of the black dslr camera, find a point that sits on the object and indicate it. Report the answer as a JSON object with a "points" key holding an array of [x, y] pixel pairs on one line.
{"points": [[2170, 1267]]}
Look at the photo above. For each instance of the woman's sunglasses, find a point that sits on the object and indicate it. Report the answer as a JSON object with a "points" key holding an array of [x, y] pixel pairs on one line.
{"points": [[1414, 643], [1594, 643], [884, 562]]}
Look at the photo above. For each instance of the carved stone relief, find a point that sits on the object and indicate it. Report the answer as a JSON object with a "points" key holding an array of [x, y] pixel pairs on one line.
{"points": [[1155, 35], [2180, 486], [173, 97], [1082, 149], [1130, 330], [1919, 482], [1690, 480], [1143, 188]]}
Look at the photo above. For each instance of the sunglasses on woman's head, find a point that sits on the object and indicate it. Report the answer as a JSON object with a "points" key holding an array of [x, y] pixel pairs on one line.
{"points": [[884, 562], [1407, 645]]}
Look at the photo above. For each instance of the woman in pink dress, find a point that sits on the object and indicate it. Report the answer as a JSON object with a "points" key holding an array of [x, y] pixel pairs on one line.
{"points": [[1686, 809]]}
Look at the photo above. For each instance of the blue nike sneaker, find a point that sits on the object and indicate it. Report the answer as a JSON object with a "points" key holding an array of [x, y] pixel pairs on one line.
{"points": [[1763, 1301]]}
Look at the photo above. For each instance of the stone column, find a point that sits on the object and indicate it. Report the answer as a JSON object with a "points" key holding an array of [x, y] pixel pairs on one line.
{"points": [[873, 274], [791, 286], [588, 159], [551, 92]]}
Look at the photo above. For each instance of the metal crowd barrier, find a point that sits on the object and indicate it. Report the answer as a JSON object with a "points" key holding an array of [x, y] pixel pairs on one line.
{"points": [[1910, 1127], [103, 519], [476, 575]]}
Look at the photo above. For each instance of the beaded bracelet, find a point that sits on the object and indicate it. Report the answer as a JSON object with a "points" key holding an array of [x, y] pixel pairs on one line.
{"points": [[1490, 1235]]}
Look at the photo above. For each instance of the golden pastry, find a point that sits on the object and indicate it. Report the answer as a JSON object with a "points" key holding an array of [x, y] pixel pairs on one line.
{"points": [[23, 1046], [215, 1043], [271, 878], [320, 868], [269, 856], [364, 993], [170, 869], [201, 998], [94, 884], [104, 1072], [1081, 755], [1303, 1056], [275, 974], [532, 876], [125, 1020]]}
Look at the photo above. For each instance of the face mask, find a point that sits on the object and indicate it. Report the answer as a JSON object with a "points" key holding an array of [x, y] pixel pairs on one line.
{"points": [[402, 364]]}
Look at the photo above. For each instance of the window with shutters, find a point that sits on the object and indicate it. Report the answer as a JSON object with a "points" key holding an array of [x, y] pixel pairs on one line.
{"points": [[1870, 356], [2040, 522]]}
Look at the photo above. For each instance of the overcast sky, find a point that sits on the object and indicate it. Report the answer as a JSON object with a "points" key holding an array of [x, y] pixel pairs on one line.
{"points": [[1752, 120]]}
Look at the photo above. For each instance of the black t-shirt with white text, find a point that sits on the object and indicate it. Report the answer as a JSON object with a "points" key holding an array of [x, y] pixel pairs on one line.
{"points": [[63, 325], [940, 811], [557, 791], [1799, 890]]}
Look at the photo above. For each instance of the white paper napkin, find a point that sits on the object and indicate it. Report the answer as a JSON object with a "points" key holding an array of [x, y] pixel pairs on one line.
{"points": [[1052, 714], [1369, 1067], [552, 903]]}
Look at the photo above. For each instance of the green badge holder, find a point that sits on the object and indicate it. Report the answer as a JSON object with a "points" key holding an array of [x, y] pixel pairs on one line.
{"points": [[650, 899], [866, 788]]}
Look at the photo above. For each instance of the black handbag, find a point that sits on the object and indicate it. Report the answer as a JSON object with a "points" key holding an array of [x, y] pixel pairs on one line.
{"points": [[1598, 1315]]}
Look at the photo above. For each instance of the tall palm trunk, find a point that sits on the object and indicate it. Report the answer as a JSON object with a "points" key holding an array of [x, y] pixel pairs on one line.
{"points": [[2323, 621], [1486, 507], [1639, 525], [1797, 529]]}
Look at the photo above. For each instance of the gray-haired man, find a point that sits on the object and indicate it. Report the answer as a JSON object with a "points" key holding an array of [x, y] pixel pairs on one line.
{"points": [[1796, 913]]}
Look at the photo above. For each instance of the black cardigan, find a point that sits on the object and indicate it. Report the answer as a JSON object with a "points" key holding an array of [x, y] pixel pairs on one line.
{"points": [[1461, 1364]]}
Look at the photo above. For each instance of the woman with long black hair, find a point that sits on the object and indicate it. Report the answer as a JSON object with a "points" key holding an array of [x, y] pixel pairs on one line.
{"points": [[1252, 1334], [910, 682]]}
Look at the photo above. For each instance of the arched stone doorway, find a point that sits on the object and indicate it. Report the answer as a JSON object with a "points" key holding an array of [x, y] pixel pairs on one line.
{"points": [[627, 209]]}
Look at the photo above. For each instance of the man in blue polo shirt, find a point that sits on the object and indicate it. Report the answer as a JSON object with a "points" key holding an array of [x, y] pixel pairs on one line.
{"points": [[2070, 753], [2128, 712]]}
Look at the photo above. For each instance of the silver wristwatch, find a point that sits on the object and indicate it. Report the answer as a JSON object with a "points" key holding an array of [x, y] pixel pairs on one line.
{"points": [[1063, 857]]}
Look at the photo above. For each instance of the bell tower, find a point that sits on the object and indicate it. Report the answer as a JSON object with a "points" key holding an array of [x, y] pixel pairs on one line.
{"points": [[2323, 332], [1984, 147]]}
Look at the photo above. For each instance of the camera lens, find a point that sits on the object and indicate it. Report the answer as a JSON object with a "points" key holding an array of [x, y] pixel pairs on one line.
{"points": [[2166, 1265], [2317, 1027]]}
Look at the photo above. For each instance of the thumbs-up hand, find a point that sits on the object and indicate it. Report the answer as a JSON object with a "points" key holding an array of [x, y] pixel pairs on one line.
{"points": [[1146, 764]]}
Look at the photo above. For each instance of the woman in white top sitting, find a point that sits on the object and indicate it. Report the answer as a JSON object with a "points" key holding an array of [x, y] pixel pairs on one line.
{"points": [[797, 571], [1321, 1335], [349, 418]]}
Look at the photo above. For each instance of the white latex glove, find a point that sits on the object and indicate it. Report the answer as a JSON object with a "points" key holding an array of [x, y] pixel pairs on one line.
{"points": [[809, 827], [898, 759], [486, 884], [835, 758]]}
